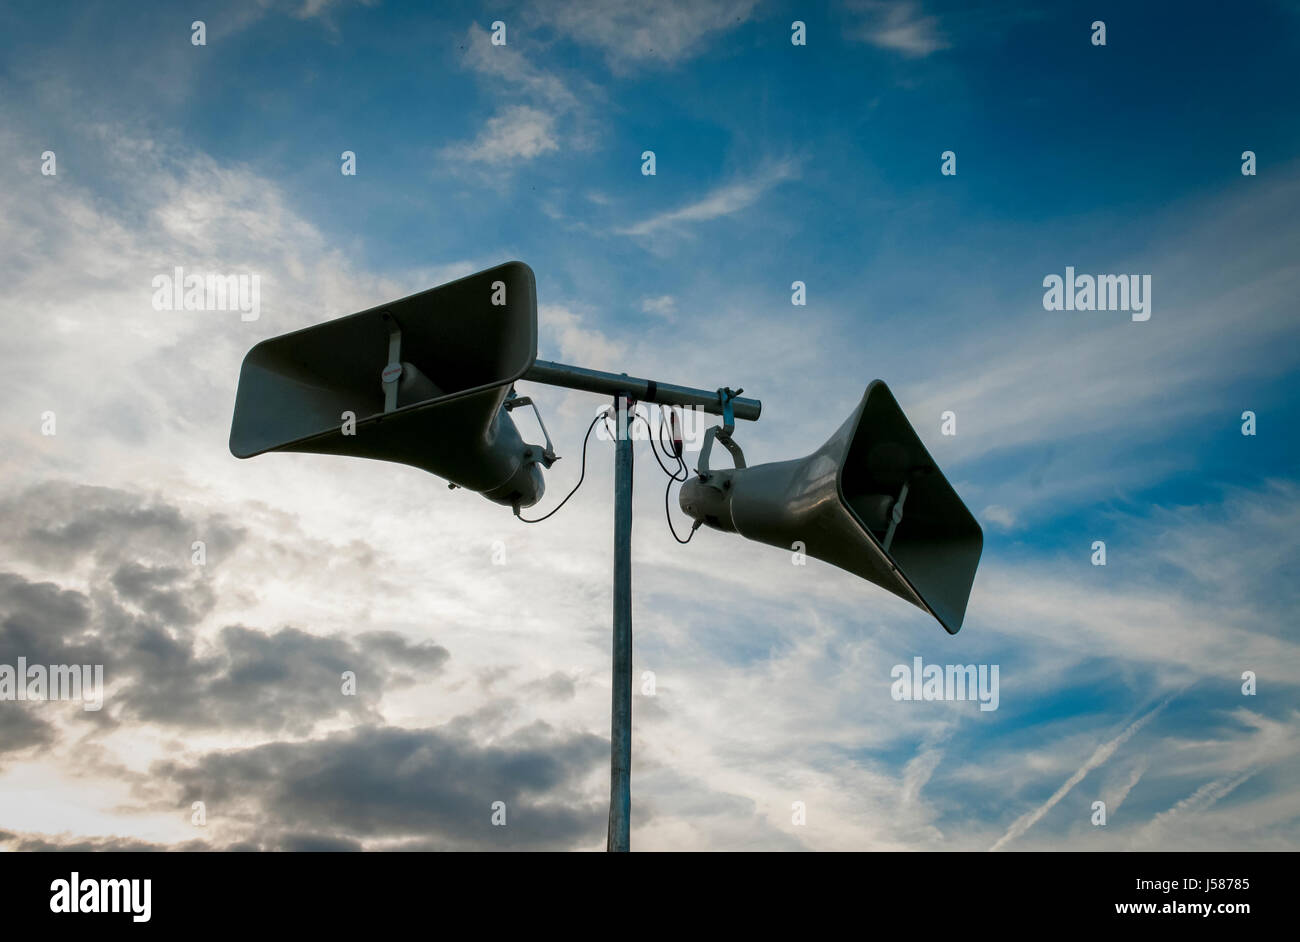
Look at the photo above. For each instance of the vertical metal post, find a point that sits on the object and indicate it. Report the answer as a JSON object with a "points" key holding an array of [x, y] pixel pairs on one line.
{"points": [[620, 765]]}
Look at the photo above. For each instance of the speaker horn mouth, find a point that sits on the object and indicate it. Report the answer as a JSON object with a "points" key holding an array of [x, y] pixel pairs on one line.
{"points": [[903, 502]]}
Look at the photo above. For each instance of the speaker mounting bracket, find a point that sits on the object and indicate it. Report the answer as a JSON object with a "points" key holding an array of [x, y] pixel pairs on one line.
{"points": [[723, 433], [393, 368], [546, 456]]}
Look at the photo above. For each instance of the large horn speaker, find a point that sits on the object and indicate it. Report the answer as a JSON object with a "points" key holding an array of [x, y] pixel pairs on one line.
{"points": [[871, 501], [426, 379]]}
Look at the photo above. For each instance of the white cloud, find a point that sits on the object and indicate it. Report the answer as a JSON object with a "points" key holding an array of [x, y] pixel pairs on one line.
{"points": [[313, 8], [508, 65], [898, 25], [725, 200], [664, 306], [996, 513], [635, 33], [243, 14], [517, 133]]}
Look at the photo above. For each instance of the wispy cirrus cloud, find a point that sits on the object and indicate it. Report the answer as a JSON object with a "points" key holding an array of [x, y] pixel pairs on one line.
{"points": [[311, 8], [518, 133], [633, 33], [511, 67], [1165, 373], [664, 305], [899, 26], [242, 14], [722, 201]]}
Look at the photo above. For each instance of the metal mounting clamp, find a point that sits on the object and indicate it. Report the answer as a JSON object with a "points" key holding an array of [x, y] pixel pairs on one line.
{"points": [[393, 369], [722, 433], [547, 457]]}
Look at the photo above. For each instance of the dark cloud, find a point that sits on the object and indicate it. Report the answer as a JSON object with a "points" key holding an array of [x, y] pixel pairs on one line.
{"points": [[45, 623], [287, 680], [315, 843], [403, 659], [555, 686], [289, 842], [174, 595], [55, 524], [138, 613], [31, 842], [21, 728], [434, 786]]}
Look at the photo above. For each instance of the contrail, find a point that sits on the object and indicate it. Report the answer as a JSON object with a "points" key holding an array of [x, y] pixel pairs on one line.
{"points": [[1102, 753], [1199, 800], [1117, 798]]}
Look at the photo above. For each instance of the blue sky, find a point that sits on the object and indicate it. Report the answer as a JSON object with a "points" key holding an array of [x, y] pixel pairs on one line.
{"points": [[774, 163]]}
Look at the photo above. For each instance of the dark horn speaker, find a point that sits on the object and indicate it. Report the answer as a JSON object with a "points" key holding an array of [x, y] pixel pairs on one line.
{"points": [[871, 501], [438, 406]]}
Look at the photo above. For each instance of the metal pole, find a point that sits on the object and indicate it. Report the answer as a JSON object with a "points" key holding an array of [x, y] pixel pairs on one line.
{"points": [[620, 740]]}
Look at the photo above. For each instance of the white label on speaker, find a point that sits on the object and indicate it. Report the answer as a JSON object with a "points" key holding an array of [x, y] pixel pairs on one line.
{"points": [[392, 372]]}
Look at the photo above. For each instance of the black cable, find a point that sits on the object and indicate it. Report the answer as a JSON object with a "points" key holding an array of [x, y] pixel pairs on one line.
{"points": [[672, 477], [680, 475], [681, 465], [669, 516], [582, 475], [650, 432]]}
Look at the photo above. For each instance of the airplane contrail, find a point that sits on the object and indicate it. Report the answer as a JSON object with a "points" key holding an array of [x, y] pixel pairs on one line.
{"points": [[1099, 756]]}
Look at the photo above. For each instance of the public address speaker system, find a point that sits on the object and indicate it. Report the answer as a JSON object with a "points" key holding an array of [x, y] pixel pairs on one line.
{"points": [[424, 378]]}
